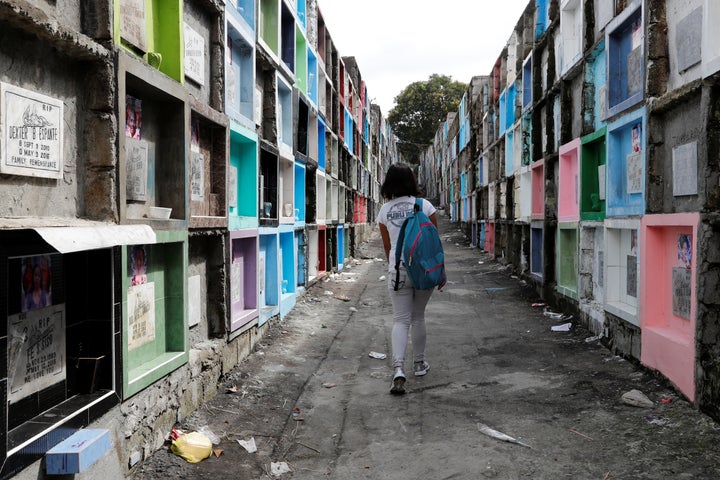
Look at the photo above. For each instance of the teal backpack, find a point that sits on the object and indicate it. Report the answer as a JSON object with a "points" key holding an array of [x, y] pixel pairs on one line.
{"points": [[420, 248]]}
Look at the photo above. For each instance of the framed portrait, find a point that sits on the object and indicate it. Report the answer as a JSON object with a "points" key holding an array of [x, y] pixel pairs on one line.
{"points": [[138, 264], [36, 282]]}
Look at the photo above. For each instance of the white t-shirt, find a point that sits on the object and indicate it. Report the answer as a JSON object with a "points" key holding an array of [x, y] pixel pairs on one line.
{"points": [[392, 214]]}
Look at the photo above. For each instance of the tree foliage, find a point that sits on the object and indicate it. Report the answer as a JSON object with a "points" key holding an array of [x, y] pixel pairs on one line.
{"points": [[420, 108]]}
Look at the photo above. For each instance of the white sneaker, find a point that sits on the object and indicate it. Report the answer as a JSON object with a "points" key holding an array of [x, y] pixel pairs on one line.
{"points": [[398, 382], [421, 368]]}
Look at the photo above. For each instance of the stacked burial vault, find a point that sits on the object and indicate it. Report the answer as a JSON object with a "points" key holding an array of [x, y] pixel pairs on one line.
{"points": [[587, 158], [174, 174]]}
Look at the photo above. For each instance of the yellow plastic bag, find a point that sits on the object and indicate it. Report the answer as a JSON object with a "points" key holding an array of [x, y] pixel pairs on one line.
{"points": [[192, 446]]}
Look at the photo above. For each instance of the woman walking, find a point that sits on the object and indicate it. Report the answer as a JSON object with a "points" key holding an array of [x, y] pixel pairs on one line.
{"points": [[401, 188]]}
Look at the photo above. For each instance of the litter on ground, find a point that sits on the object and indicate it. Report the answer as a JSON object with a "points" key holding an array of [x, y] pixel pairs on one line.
{"points": [[278, 468], [193, 447], [636, 398], [248, 445], [495, 289], [484, 429]]}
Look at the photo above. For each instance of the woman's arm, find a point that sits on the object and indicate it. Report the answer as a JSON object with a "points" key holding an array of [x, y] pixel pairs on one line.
{"points": [[386, 240]]}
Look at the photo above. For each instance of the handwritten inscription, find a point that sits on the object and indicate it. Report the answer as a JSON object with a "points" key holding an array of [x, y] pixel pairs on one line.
{"points": [[36, 351], [681, 286]]}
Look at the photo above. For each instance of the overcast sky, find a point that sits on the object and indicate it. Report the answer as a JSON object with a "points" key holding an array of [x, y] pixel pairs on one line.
{"points": [[398, 42]]}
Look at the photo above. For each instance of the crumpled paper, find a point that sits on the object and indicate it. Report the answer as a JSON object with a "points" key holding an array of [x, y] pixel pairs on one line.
{"points": [[278, 468], [248, 445]]}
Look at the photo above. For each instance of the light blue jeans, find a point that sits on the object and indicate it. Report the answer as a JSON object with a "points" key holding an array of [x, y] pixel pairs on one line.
{"points": [[408, 317]]}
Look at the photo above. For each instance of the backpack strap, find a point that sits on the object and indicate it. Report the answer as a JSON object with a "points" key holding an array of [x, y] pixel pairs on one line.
{"points": [[418, 204], [398, 253]]}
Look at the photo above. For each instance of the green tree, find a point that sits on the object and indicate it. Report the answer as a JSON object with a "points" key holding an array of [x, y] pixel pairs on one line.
{"points": [[419, 110]]}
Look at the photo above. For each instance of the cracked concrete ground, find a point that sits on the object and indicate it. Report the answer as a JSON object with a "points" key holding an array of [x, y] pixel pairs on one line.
{"points": [[494, 362]]}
